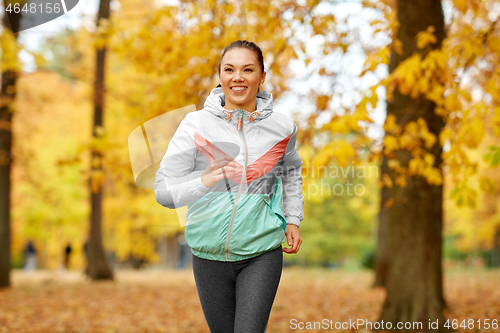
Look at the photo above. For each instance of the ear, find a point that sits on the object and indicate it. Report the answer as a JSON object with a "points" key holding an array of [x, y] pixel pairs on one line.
{"points": [[263, 78]]}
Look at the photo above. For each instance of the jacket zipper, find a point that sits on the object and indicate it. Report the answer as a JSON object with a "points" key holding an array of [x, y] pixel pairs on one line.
{"points": [[243, 178]]}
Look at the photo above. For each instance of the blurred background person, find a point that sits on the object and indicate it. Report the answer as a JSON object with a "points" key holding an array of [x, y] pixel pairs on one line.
{"points": [[67, 253], [30, 252]]}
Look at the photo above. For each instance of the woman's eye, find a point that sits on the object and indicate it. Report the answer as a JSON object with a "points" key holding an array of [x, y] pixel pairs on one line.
{"points": [[230, 69]]}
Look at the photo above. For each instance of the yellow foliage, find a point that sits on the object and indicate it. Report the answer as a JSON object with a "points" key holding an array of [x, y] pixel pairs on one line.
{"points": [[408, 141], [312, 188], [397, 46], [344, 152], [471, 133], [374, 22], [429, 138], [436, 94], [400, 181], [445, 135], [426, 37], [429, 159], [496, 121], [339, 125], [390, 144], [461, 5], [422, 124], [322, 159], [494, 43], [455, 158], [360, 114], [421, 88], [352, 122], [387, 180], [487, 185], [374, 59], [452, 104], [394, 164], [322, 102], [411, 128], [306, 152], [389, 202], [96, 180], [464, 195], [390, 123], [39, 59], [465, 95], [103, 33], [416, 166], [433, 175], [434, 64], [406, 74], [493, 84], [9, 50]]}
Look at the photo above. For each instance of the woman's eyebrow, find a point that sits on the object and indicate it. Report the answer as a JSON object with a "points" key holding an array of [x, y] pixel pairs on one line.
{"points": [[243, 65]]}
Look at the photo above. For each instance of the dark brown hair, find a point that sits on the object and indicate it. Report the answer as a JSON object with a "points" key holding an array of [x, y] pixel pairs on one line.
{"points": [[248, 45]]}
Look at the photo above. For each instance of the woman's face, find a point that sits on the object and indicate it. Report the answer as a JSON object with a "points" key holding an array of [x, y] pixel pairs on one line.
{"points": [[240, 77]]}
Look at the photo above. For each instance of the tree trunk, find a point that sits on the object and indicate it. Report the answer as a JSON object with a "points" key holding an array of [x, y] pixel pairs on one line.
{"points": [[168, 249], [10, 23], [495, 262], [98, 266], [382, 257], [414, 276]]}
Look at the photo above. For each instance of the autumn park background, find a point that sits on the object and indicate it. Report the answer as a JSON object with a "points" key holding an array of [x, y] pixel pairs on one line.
{"points": [[398, 108]]}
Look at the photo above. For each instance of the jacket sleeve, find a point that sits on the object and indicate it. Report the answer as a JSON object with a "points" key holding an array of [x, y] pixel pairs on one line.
{"points": [[293, 200], [176, 183]]}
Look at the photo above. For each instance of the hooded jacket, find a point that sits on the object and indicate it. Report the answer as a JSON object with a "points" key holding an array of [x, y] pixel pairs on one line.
{"points": [[245, 215]]}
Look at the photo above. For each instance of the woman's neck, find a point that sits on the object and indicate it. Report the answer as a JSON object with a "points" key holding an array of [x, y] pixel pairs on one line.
{"points": [[248, 109]]}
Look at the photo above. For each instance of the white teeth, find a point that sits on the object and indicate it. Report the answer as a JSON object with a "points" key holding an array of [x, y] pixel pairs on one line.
{"points": [[238, 88]]}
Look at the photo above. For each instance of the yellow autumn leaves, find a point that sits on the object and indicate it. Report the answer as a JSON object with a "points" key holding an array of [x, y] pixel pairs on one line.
{"points": [[426, 37], [417, 140], [9, 49], [435, 75], [420, 75]]}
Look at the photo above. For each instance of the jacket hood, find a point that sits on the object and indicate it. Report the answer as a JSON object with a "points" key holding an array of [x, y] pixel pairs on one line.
{"points": [[215, 101]]}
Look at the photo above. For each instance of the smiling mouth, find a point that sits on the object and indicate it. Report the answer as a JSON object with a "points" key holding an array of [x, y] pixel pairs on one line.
{"points": [[238, 89]]}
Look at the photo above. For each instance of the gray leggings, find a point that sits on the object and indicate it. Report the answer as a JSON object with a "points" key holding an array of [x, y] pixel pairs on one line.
{"points": [[236, 297]]}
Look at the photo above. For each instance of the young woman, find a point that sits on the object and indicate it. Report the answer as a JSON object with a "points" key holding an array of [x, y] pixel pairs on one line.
{"points": [[235, 165]]}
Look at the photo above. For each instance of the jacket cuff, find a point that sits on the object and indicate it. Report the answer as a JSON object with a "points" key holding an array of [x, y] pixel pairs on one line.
{"points": [[197, 187], [293, 220]]}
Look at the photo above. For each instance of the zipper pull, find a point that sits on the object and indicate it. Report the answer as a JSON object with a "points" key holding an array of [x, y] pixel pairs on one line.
{"points": [[240, 120]]}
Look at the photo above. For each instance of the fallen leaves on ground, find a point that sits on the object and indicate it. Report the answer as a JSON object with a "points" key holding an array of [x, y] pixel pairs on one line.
{"points": [[167, 301]]}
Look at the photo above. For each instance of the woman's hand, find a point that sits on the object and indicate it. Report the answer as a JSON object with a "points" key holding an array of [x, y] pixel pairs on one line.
{"points": [[216, 170], [293, 239]]}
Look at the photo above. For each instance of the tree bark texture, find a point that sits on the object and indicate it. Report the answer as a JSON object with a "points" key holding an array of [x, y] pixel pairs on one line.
{"points": [[414, 291], [98, 266], [10, 23], [382, 256], [496, 248], [168, 248]]}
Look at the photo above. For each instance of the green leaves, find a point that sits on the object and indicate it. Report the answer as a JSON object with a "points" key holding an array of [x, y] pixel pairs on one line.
{"points": [[464, 195], [493, 157]]}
